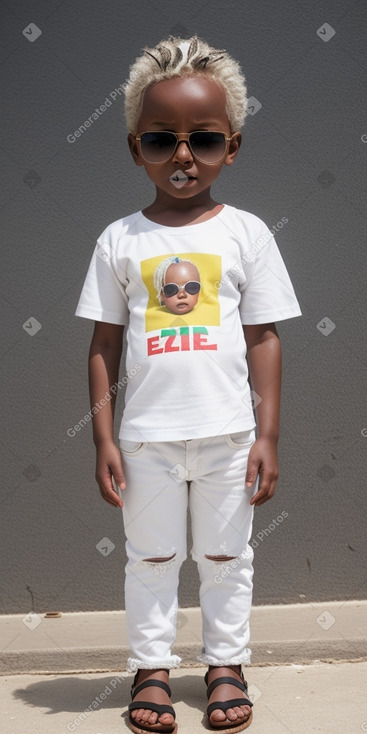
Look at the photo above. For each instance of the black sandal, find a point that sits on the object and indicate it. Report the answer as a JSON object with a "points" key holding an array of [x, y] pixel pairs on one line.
{"points": [[225, 727], [157, 708]]}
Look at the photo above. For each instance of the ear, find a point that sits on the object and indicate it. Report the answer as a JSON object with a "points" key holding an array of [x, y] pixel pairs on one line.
{"points": [[233, 149], [134, 150]]}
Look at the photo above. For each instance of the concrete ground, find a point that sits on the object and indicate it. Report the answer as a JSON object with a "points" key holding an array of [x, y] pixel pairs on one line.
{"points": [[293, 699], [66, 673]]}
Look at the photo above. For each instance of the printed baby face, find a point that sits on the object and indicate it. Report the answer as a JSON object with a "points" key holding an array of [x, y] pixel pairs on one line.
{"points": [[181, 274]]}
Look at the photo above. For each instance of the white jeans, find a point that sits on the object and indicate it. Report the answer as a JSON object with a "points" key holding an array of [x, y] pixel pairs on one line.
{"points": [[154, 513]]}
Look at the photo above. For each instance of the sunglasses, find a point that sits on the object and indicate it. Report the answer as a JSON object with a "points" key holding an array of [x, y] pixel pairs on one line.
{"points": [[160, 146], [171, 289]]}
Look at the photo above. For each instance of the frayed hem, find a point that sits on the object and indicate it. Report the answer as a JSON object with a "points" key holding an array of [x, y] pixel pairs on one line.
{"points": [[134, 664], [244, 659]]}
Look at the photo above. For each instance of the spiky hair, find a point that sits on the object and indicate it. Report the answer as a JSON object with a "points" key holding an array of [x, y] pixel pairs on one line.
{"points": [[175, 57]]}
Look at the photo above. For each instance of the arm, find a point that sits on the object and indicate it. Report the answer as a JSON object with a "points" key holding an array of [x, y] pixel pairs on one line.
{"points": [[104, 360], [265, 366]]}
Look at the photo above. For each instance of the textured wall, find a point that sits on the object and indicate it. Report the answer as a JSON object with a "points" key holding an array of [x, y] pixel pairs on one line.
{"points": [[304, 158]]}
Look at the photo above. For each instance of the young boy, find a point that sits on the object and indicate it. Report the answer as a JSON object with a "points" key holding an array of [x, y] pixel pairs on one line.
{"points": [[187, 436]]}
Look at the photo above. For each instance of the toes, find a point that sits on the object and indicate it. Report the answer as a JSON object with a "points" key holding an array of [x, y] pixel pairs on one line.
{"points": [[166, 719], [152, 717], [240, 713], [146, 716], [218, 715], [231, 715]]}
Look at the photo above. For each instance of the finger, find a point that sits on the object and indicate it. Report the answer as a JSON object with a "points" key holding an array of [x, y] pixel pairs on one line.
{"points": [[265, 492], [108, 492], [119, 476], [111, 497], [110, 502], [252, 472], [118, 490]]}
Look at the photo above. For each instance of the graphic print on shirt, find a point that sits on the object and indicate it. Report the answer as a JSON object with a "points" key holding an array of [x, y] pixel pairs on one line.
{"points": [[182, 301]]}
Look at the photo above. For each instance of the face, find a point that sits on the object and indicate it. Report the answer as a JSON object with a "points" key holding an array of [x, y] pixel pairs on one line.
{"points": [[181, 273], [183, 105]]}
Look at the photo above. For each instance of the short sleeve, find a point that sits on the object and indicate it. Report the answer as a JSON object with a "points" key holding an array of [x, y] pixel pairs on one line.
{"points": [[103, 296], [268, 293]]}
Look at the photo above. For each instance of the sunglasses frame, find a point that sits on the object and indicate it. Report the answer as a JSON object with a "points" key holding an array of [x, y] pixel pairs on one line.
{"points": [[180, 137], [181, 287]]}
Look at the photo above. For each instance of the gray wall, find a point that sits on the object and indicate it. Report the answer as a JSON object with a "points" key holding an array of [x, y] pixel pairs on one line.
{"points": [[303, 158]]}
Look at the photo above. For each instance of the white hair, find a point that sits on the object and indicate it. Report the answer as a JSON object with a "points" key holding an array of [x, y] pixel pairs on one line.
{"points": [[175, 57]]}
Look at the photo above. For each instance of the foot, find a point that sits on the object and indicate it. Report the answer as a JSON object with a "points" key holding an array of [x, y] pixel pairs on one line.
{"points": [[147, 717], [233, 716]]}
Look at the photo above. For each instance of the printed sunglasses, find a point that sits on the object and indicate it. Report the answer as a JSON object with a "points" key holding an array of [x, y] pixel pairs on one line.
{"points": [[205, 145], [171, 289]]}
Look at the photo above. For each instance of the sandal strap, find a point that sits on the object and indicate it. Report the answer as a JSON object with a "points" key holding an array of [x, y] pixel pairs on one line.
{"points": [[227, 680], [158, 708], [206, 676], [224, 705], [147, 684]]}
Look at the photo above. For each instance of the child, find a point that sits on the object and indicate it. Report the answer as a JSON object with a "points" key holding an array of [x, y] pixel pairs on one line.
{"points": [[187, 436], [180, 297]]}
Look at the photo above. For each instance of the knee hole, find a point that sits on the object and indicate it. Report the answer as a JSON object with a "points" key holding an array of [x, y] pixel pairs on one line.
{"points": [[220, 559], [159, 560]]}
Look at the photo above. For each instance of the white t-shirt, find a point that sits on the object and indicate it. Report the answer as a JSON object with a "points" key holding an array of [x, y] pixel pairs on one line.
{"points": [[187, 374]]}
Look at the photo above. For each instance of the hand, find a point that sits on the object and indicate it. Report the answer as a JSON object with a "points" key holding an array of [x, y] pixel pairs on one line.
{"points": [[263, 461], [109, 464]]}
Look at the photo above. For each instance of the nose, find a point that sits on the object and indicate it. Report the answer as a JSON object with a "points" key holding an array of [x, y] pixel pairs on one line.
{"points": [[183, 152], [181, 292]]}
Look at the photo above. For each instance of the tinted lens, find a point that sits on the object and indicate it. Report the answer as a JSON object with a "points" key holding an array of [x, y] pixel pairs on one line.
{"points": [[208, 147], [157, 147], [192, 288], [170, 289]]}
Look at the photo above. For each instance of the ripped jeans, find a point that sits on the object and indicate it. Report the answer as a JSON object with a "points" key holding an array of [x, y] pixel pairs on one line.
{"points": [[163, 479]]}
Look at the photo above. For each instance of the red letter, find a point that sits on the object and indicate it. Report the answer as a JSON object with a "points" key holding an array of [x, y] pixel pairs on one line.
{"points": [[153, 348], [199, 340], [185, 344]]}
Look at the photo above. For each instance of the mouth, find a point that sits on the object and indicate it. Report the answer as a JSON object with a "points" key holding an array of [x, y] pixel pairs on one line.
{"points": [[179, 178]]}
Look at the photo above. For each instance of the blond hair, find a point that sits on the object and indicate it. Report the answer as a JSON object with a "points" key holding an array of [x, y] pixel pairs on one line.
{"points": [[175, 57]]}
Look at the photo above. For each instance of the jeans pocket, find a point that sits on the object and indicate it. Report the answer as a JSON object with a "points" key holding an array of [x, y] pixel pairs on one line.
{"points": [[132, 448], [241, 440]]}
